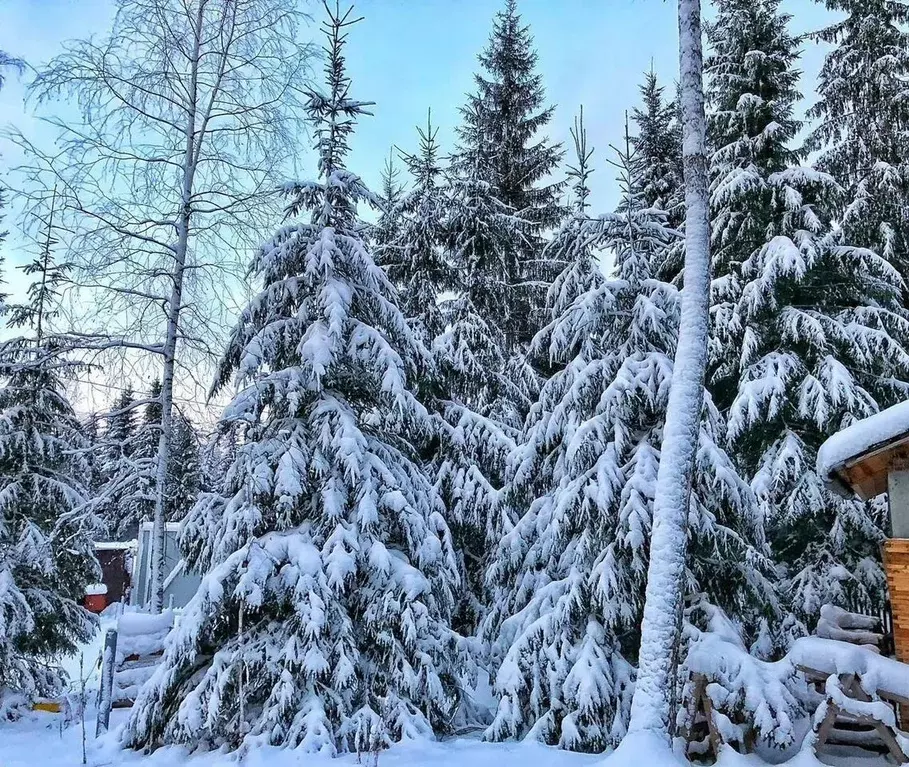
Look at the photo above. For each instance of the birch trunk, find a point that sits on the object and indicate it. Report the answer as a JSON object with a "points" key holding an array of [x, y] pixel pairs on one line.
{"points": [[175, 303], [651, 708]]}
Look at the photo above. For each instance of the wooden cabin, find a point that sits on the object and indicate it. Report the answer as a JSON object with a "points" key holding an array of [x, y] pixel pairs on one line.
{"points": [[866, 459]]}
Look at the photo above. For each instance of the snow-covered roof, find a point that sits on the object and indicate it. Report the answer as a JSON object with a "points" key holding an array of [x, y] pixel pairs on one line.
{"points": [[115, 545], [863, 437]]}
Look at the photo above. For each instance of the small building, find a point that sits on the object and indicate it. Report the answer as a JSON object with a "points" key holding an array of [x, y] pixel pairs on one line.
{"points": [[866, 459], [116, 560]]}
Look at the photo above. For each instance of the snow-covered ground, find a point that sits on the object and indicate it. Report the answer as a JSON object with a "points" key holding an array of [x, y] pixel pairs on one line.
{"points": [[39, 741], [53, 740], [48, 740]]}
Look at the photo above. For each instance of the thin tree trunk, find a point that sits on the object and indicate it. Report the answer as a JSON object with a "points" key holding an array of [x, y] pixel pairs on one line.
{"points": [[175, 303], [660, 630]]}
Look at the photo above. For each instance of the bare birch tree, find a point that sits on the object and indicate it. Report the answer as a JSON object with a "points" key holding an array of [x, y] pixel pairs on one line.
{"points": [[187, 119]]}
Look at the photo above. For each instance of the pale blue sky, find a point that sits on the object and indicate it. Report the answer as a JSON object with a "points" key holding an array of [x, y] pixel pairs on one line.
{"points": [[408, 55]]}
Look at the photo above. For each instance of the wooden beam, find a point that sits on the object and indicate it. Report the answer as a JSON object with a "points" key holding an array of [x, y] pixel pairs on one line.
{"points": [[823, 732]]}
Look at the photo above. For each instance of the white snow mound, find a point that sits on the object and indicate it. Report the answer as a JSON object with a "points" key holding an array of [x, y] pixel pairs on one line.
{"points": [[139, 624]]}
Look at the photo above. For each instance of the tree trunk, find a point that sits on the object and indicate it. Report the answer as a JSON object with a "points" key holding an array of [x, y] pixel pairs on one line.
{"points": [[660, 630], [156, 603], [175, 303]]}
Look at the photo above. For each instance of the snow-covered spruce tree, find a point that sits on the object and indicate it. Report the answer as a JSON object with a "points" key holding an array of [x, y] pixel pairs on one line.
{"points": [[500, 146], [127, 496], [751, 93], [424, 270], [216, 455], [185, 476], [862, 123], [145, 451], [807, 331], [46, 526], [94, 454], [386, 231], [572, 245], [658, 149], [467, 449], [115, 501], [570, 577], [480, 401], [822, 344], [481, 233], [323, 621]]}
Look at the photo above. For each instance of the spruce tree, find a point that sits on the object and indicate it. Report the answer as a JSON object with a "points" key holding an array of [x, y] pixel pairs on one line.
{"points": [[502, 152], [94, 455], [658, 153], [126, 497], [185, 476], [822, 329], [751, 92], [658, 150], [808, 329], [467, 448], [217, 455], [862, 123], [424, 271], [569, 579], [387, 230], [114, 501], [323, 622], [481, 406], [46, 527], [144, 459], [474, 444], [572, 247]]}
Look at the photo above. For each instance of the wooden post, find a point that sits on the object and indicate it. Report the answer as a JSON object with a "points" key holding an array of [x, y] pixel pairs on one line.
{"points": [[108, 662]]}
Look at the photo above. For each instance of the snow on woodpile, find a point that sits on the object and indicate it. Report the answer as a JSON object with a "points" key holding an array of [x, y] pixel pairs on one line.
{"points": [[837, 623], [140, 642], [832, 657], [745, 691], [142, 633], [862, 436]]}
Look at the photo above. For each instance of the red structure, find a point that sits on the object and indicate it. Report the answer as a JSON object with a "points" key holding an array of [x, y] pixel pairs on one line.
{"points": [[116, 560]]}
